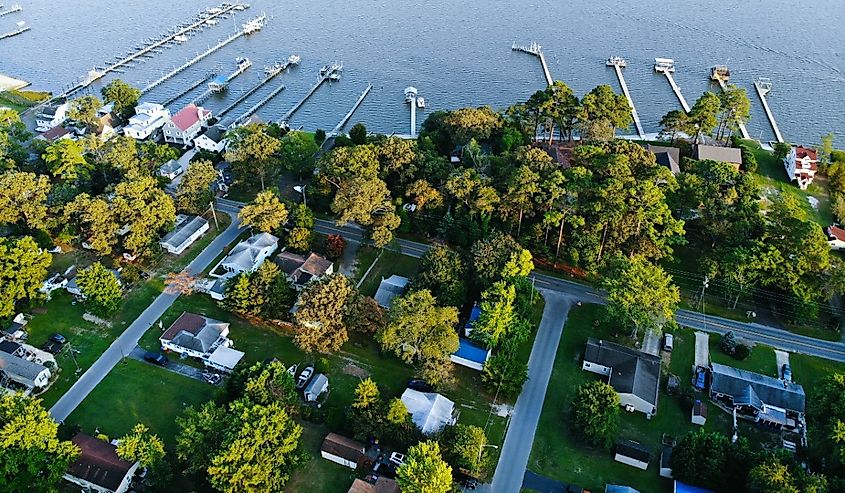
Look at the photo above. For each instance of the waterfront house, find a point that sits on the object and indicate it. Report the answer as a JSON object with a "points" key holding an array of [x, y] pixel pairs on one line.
{"points": [[668, 157], [148, 118], [634, 375], [186, 125], [301, 270], [470, 355], [632, 453], [98, 468], [188, 229], [212, 140], [51, 116], [429, 411], [170, 169], [801, 165], [730, 155], [342, 450], [246, 256], [835, 237], [55, 134], [390, 288]]}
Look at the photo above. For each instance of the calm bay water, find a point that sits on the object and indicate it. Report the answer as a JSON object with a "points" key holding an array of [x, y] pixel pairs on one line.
{"points": [[458, 53]]}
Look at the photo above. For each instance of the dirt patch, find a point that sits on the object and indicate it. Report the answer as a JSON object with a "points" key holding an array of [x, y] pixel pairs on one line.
{"points": [[355, 371]]}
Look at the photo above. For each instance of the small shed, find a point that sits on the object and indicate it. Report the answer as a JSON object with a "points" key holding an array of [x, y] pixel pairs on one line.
{"points": [[699, 412], [342, 450], [632, 453], [665, 459], [316, 387]]}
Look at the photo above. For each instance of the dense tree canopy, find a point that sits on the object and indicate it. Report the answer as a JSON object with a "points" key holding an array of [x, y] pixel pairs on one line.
{"points": [[123, 96], [193, 195], [321, 314], [23, 268], [23, 199], [424, 470], [595, 413], [640, 294], [265, 213], [101, 289]]}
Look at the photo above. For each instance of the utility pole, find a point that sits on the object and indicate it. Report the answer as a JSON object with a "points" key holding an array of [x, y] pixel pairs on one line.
{"points": [[214, 213]]}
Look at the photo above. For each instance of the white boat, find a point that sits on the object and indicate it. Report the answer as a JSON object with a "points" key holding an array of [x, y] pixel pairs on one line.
{"points": [[211, 22], [243, 62], [214, 10], [334, 76], [294, 59], [240, 6], [420, 102], [181, 38], [272, 69], [324, 70], [616, 61], [664, 65], [410, 94]]}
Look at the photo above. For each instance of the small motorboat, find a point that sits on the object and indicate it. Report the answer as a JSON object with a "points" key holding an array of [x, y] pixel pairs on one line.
{"points": [[294, 59], [181, 38], [421, 102]]}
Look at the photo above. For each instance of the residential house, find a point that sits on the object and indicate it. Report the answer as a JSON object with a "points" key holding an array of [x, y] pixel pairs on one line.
{"points": [[148, 118], [699, 413], [11, 347], [98, 468], [73, 288], [634, 375], [379, 484], [668, 157], [429, 411], [760, 398], [316, 387], [342, 450], [390, 288], [170, 169], [212, 140], [55, 134], [246, 256], [51, 116], [186, 125], [20, 373], [301, 270], [835, 237], [470, 355], [188, 229], [728, 155], [474, 315], [216, 288], [201, 337], [224, 358], [801, 165], [16, 328], [632, 453]]}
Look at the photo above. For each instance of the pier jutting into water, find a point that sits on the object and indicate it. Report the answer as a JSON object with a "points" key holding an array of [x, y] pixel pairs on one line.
{"points": [[355, 106], [328, 72], [272, 72], [239, 120], [722, 75], [764, 86], [666, 66], [618, 63], [21, 29], [535, 49], [190, 88], [11, 10], [218, 86]]}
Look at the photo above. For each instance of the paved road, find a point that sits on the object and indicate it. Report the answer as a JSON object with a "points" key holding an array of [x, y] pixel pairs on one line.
{"points": [[516, 450], [126, 342]]}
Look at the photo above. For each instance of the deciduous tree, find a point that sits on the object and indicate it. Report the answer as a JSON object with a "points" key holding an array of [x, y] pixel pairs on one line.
{"points": [[320, 319], [23, 268], [595, 413], [142, 446], [65, 160], [251, 151], [123, 96], [366, 394], [94, 220], [101, 289], [296, 153], [418, 330], [145, 209], [23, 199], [641, 294], [265, 213], [497, 314], [84, 110], [602, 112], [443, 272], [193, 195], [468, 448], [424, 470]]}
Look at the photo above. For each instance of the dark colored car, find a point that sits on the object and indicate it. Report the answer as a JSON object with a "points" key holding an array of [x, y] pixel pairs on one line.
{"points": [[58, 339], [787, 372], [420, 385], [156, 358]]}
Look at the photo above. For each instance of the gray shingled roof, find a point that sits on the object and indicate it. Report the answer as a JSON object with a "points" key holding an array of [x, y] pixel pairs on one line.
{"points": [[634, 450], [754, 389], [183, 231], [721, 154], [20, 370], [632, 372]]}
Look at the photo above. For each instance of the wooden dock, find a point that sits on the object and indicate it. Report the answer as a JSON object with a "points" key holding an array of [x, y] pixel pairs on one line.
{"points": [[11, 10], [239, 120], [618, 63], [333, 69], [208, 92], [355, 106], [190, 88], [764, 86], [17, 31], [535, 49], [677, 91], [249, 92]]}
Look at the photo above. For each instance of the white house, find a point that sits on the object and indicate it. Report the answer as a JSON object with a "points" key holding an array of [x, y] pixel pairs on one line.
{"points": [[186, 125], [195, 335], [247, 255], [23, 374], [342, 450], [51, 116], [188, 229], [224, 358], [170, 169], [98, 468], [212, 140], [835, 237], [801, 165], [430, 412], [148, 118]]}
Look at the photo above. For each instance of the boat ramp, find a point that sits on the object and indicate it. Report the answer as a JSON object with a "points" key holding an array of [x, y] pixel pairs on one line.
{"points": [[328, 72], [535, 49], [666, 66], [721, 75], [764, 87], [618, 63]]}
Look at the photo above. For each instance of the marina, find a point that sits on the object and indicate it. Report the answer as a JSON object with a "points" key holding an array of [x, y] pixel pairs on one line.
{"points": [[764, 87], [11, 10], [722, 75], [666, 66], [618, 63], [337, 129], [271, 72], [219, 83], [535, 49], [328, 72], [251, 26], [248, 113], [22, 28], [190, 88]]}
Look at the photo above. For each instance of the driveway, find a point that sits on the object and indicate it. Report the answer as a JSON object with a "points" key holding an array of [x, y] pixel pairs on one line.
{"points": [[702, 349], [651, 342], [516, 450], [126, 342], [174, 366]]}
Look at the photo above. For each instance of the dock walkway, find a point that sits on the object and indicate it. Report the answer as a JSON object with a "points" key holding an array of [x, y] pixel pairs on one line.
{"points": [[764, 86], [11, 10], [742, 128], [17, 31], [677, 90], [190, 88], [535, 49], [208, 92], [334, 69], [355, 106], [618, 67], [256, 106], [249, 92]]}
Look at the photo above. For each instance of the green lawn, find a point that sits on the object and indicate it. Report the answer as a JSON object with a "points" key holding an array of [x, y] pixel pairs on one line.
{"points": [[177, 263], [558, 454], [761, 360], [136, 392], [388, 263]]}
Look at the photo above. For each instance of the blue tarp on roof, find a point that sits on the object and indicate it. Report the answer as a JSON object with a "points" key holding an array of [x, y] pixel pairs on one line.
{"points": [[469, 351], [473, 316], [685, 488]]}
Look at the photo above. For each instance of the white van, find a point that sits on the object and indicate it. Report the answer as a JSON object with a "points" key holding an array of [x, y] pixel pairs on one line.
{"points": [[667, 342]]}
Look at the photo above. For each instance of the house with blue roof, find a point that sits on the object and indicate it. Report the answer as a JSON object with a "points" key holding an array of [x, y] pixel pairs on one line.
{"points": [[470, 355], [685, 488], [474, 315]]}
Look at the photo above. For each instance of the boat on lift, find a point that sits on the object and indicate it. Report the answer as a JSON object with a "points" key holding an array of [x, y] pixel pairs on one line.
{"points": [[181, 38], [273, 69], [243, 63], [616, 61], [665, 65], [421, 102], [294, 60], [324, 70], [410, 94], [720, 72]]}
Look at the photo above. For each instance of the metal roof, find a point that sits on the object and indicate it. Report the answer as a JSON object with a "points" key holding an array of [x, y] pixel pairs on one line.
{"points": [[749, 388]]}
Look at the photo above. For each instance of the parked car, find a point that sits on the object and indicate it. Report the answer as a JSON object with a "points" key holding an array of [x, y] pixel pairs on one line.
{"points": [[420, 385], [397, 458], [304, 376], [156, 358], [787, 372], [58, 338], [668, 340]]}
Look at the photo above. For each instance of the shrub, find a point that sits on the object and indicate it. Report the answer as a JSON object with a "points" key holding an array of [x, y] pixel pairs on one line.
{"points": [[741, 352]]}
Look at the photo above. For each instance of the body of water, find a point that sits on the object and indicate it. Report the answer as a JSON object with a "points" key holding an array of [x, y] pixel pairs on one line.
{"points": [[459, 53]]}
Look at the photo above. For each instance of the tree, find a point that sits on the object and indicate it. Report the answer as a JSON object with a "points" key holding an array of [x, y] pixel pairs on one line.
{"points": [[771, 475], [265, 292], [13, 137], [320, 319], [443, 272], [358, 134], [418, 330], [422, 194], [142, 446], [467, 124], [367, 202], [193, 195], [239, 294], [518, 200], [251, 152], [728, 342], [296, 152], [266, 383], [703, 115], [735, 110], [595, 413], [505, 373], [299, 240], [397, 412], [335, 244], [152, 155], [366, 394], [23, 268], [32, 458], [710, 459], [123, 96], [145, 209], [365, 315], [497, 314], [826, 150], [467, 448], [65, 160], [424, 470], [782, 150], [100, 288], [84, 109], [641, 294], [265, 213], [94, 220], [499, 257], [319, 136], [673, 123], [23, 199], [602, 112], [474, 191], [201, 431], [120, 152]]}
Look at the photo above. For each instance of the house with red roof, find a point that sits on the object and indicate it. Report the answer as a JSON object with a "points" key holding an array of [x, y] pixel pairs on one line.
{"points": [[186, 125], [801, 165], [835, 237], [98, 468]]}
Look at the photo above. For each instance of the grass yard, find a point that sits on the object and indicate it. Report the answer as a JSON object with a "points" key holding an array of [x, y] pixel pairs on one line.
{"points": [[388, 263], [319, 475], [761, 360], [177, 263], [137, 392], [558, 454]]}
